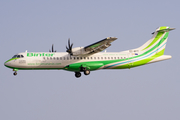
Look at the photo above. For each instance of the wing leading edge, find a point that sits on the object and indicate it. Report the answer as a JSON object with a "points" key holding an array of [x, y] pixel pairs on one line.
{"points": [[93, 48], [100, 45]]}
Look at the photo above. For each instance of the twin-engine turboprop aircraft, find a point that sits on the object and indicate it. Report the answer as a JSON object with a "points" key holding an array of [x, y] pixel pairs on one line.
{"points": [[90, 58]]}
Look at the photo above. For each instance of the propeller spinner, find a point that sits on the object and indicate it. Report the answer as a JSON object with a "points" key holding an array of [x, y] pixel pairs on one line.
{"points": [[69, 50]]}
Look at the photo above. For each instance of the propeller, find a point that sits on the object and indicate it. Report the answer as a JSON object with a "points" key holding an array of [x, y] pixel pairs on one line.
{"points": [[52, 49], [69, 50]]}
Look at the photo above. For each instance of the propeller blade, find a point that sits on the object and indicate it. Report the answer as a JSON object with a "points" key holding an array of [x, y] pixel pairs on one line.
{"points": [[69, 42], [66, 47], [71, 46], [52, 48]]}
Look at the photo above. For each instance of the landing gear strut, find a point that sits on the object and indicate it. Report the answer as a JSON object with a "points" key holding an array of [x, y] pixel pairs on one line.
{"points": [[84, 69], [15, 72], [77, 74]]}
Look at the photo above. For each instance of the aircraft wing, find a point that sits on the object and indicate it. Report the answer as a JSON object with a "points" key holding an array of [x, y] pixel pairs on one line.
{"points": [[99, 46]]}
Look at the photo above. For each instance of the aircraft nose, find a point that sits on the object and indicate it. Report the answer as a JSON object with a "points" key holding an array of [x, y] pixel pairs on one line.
{"points": [[7, 63]]}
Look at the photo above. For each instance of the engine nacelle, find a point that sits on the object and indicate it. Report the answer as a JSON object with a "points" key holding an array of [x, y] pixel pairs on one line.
{"points": [[78, 51]]}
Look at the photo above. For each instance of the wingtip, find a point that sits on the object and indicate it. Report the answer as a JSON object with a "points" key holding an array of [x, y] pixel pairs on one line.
{"points": [[111, 38], [172, 28]]}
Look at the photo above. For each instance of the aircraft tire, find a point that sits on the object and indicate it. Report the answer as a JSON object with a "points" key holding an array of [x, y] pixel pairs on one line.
{"points": [[77, 74], [15, 73], [86, 72]]}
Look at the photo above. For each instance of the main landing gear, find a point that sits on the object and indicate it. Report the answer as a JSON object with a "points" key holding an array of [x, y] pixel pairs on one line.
{"points": [[78, 74], [86, 72]]}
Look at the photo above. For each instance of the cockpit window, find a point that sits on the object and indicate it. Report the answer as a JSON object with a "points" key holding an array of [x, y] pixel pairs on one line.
{"points": [[14, 56], [18, 56]]}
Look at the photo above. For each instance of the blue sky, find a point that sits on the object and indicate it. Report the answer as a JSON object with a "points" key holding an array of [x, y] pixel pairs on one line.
{"points": [[146, 92]]}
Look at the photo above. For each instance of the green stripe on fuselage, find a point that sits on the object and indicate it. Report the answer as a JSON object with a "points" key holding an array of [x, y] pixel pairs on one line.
{"points": [[159, 35], [11, 59], [141, 62]]}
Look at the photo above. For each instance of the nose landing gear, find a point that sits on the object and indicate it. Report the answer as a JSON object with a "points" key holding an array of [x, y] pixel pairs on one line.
{"points": [[15, 72]]}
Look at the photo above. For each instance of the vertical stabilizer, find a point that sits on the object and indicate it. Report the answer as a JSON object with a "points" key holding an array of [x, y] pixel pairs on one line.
{"points": [[158, 41]]}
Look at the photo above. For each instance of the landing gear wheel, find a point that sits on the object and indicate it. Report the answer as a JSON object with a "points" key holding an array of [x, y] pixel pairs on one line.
{"points": [[86, 72], [77, 74], [15, 73]]}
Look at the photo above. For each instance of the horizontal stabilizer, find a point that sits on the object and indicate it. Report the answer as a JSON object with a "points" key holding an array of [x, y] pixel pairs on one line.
{"points": [[165, 30]]}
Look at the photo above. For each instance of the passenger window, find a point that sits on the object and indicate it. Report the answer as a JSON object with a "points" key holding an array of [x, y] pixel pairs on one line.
{"points": [[121, 57], [77, 57], [102, 58], [57, 58], [47, 58], [108, 57], [51, 58], [67, 58], [74, 58], [60, 58], [44, 58], [54, 58], [81, 57], [87, 57], [64, 58], [22, 56], [112, 58], [71, 58], [94, 57], [84, 57], [98, 57], [91, 58]]}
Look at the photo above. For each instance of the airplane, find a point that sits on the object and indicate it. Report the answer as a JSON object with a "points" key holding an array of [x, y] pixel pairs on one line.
{"points": [[91, 57]]}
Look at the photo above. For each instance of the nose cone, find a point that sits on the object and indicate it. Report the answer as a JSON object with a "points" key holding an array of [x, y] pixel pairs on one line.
{"points": [[7, 63]]}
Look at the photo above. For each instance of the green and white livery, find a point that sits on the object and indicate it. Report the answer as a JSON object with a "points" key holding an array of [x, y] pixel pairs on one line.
{"points": [[90, 58]]}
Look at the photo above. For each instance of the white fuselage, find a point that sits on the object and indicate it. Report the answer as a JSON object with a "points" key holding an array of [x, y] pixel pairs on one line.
{"points": [[59, 60]]}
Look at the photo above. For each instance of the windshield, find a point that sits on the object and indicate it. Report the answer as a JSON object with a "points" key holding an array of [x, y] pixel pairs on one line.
{"points": [[18, 56], [14, 56]]}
